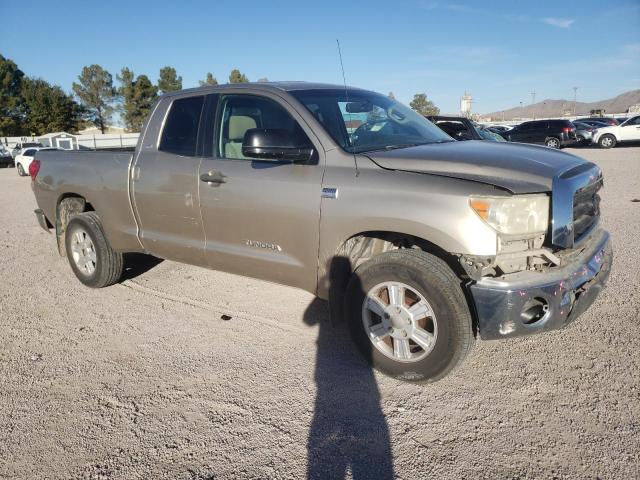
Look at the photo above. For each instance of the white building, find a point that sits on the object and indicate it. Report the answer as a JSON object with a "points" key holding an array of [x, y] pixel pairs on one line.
{"points": [[61, 140], [465, 104]]}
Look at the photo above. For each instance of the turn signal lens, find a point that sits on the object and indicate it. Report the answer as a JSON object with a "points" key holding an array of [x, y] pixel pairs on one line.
{"points": [[481, 207]]}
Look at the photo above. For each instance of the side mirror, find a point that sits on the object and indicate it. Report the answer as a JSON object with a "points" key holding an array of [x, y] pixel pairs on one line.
{"points": [[274, 144]]}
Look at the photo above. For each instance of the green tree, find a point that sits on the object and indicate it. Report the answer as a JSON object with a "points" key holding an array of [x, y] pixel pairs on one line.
{"points": [[169, 81], [210, 80], [236, 77], [96, 94], [137, 97], [423, 106], [10, 97], [48, 108]]}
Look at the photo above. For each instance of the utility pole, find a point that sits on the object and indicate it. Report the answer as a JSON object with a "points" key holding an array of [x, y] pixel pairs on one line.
{"points": [[575, 96], [521, 111], [533, 101]]}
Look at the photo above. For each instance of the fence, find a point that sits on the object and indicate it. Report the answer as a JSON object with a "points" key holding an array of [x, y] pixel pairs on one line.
{"points": [[82, 142], [108, 140]]}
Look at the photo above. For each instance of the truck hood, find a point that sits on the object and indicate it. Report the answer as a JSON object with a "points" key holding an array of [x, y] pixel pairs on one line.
{"points": [[515, 167]]}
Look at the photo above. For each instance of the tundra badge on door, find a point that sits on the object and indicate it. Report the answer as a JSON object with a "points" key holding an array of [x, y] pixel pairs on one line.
{"points": [[267, 245]]}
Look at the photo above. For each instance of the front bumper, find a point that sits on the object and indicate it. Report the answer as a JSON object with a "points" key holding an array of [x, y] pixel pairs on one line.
{"points": [[503, 305], [8, 160]]}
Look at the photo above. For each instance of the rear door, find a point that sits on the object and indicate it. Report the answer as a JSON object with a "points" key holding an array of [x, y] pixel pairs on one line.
{"points": [[165, 182], [513, 135], [538, 132], [261, 218], [520, 133]]}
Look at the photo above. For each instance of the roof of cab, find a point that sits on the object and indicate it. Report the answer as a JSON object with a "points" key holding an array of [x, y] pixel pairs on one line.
{"points": [[285, 86]]}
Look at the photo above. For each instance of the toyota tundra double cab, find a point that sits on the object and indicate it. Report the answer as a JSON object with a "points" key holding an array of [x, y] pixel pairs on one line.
{"points": [[420, 243]]}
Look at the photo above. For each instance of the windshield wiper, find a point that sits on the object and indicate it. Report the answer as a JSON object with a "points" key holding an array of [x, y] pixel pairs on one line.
{"points": [[402, 145]]}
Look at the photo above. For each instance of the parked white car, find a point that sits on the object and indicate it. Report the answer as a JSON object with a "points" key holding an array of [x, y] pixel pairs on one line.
{"points": [[25, 157], [628, 131]]}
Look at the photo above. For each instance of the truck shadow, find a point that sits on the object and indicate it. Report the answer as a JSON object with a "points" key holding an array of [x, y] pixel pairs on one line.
{"points": [[135, 264], [349, 432]]}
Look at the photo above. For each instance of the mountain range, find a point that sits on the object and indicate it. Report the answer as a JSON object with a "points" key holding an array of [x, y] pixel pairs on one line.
{"points": [[555, 108]]}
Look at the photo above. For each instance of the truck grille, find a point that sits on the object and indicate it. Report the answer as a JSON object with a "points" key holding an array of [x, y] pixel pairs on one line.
{"points": [[586, 209]]}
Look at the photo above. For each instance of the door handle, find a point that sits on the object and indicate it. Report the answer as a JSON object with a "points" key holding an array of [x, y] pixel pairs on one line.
{"points": [[213, 178]]}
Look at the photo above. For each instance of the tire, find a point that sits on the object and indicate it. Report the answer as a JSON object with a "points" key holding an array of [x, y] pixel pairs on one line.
{"points": [[21, 171], [91, 257], [607, 141], [552, 142], [450, 324]]}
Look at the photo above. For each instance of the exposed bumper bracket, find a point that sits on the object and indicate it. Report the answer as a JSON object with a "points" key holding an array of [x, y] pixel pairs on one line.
{"points": [[562, 293]]}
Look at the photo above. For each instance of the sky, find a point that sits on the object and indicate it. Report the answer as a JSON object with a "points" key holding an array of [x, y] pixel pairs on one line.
{"points": [[498, 51]]}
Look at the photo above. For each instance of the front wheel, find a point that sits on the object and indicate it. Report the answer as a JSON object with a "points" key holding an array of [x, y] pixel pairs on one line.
{"points": [[552, 142], [21, 171], [91, 257], [408, 315], [607, 141]]}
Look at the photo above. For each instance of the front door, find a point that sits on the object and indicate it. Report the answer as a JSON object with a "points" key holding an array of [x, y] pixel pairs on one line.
{"points": [[261, 218], [165, 185], [630, 131]]}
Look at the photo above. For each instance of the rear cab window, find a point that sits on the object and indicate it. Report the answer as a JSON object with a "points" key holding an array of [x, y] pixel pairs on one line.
{"points": [[180, 132]]}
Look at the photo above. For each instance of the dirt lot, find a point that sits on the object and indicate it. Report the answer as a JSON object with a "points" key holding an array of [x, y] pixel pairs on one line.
{"points": [[146, 379]]}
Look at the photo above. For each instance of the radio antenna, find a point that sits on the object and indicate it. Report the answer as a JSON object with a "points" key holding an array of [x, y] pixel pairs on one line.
{"points": [[346, 94]]}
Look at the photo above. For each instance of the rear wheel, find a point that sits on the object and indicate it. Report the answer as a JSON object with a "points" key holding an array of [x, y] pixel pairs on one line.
{"points": [[408, 315], [21, 171], [607, 141], [91, 257], [552, 142]]}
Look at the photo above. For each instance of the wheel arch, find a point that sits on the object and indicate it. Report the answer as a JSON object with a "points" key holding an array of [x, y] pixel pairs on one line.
{"points": [[609, 134], [68, 204], [359, 247]]}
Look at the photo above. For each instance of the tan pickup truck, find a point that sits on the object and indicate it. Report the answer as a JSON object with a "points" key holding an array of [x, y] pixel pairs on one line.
{"points": [[419, 242]]}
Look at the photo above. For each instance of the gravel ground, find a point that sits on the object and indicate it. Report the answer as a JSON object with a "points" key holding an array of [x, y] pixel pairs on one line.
{"points": [[152, 379]]}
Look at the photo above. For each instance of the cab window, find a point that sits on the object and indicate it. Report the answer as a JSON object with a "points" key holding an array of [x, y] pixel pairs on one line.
{"points": [[180, 133], [241, 113]]}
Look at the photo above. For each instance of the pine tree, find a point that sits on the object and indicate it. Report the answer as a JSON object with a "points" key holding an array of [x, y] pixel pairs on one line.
{"points": [[96, 93], [10, 98], [48, 108], [210, 80], [423, 106], [169, 81], [236, 77], [137, 97]]}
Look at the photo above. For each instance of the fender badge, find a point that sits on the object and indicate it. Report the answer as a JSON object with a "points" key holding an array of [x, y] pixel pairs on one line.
{"points": [[329, 192]]}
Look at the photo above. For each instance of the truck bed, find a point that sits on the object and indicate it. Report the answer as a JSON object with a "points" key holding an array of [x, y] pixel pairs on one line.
{"points": [[102, 178]]}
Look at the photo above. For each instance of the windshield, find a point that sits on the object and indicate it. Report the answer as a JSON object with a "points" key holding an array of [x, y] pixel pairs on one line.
{"points": [[361, 121], [487, 134]]}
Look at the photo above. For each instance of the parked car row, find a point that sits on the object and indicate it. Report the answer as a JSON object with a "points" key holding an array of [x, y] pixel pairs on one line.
{"points": [[6, 159], [462, 128], [25, 157], [606, 132]]}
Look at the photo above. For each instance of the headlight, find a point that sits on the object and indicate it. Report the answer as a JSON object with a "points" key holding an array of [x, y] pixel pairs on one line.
{"points": [[515, 215]]}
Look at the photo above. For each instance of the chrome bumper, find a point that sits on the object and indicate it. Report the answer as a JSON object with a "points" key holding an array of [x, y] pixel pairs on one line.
{"points": [[503, 306]]}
